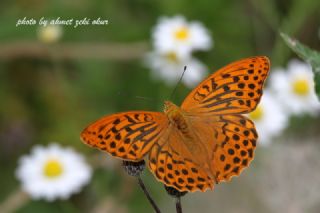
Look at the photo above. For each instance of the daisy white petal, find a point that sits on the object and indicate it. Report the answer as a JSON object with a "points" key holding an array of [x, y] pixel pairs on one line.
{"points": [[53, 172], [269, 118], [294, 87], [177, 35], [169, 67]]}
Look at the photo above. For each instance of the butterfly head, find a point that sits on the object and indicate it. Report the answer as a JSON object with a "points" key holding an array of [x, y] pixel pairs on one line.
{"points": [[170, 107], [173, 112]]}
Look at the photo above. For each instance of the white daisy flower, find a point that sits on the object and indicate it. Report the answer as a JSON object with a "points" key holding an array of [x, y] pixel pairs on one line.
{"points": [[295, 88], [269, 118], [177, 35], [50, 33], [53, 172], [169, 67]]}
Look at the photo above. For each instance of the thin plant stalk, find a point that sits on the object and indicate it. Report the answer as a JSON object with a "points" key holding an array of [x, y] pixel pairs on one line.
{"points": [[178, 205], [144, 189]]}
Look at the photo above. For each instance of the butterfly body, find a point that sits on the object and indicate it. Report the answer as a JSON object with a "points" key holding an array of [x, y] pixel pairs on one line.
{"points": [[180, 122], [197, 145], [176, 117]]}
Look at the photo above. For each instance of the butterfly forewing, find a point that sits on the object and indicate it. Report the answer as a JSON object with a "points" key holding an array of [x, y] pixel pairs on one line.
{"points": [[236, 88], [214, 141], [128, 135]]}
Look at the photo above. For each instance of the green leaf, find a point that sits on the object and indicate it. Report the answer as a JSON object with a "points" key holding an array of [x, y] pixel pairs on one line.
{"points": [[307, 54]]}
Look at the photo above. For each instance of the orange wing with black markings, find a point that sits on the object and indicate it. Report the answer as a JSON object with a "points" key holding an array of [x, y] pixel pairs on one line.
{"points": [[204, 142], [236, 88], [174, 165], [128, 135], [235, 139]]}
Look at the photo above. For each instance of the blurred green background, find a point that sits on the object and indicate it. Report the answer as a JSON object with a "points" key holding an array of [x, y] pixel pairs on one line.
{"points": [[50, 92]]}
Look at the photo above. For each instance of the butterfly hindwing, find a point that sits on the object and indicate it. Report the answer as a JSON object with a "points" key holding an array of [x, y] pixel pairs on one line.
{"points": [[236, 88], [173, 165], [198, 145], [235, 142], [128, 135]]}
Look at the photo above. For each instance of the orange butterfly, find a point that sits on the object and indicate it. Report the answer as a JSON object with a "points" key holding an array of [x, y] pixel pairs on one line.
{"points": [[201, 143]]}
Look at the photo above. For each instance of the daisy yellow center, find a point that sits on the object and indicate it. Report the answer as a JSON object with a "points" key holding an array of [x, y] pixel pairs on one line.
{"points": [[301, 87], [182, 33], [52, 169], [257, 114], [171, 56], [49, 34]]}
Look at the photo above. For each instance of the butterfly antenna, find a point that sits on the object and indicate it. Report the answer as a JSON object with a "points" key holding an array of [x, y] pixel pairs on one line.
{"points": [[137, 96], [174, 90], [143, 98]]}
